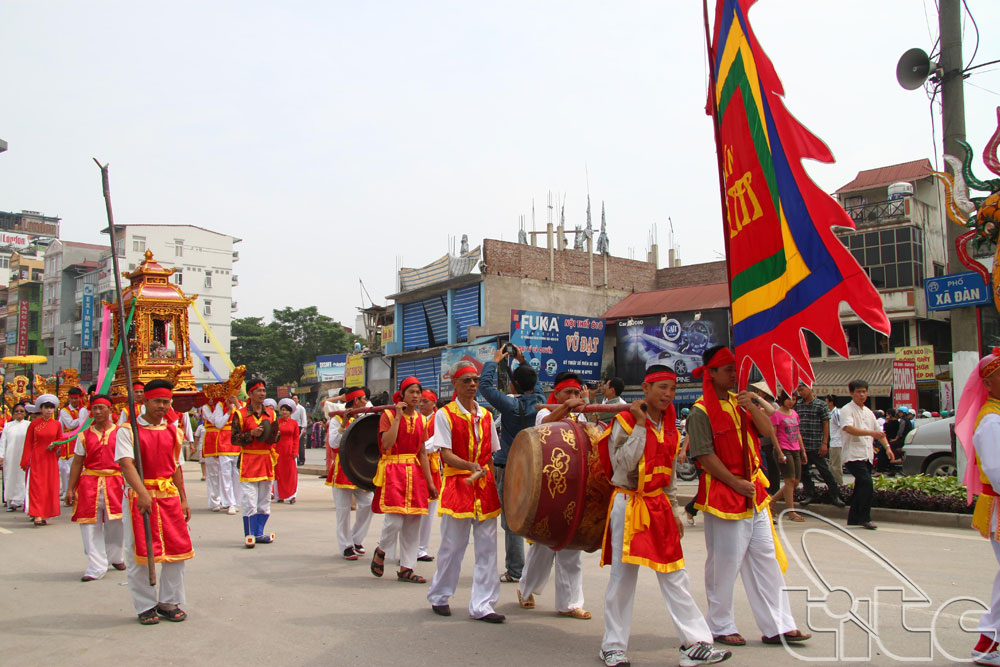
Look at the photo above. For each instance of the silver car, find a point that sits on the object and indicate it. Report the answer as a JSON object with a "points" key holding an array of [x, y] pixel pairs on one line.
{"points": [[929, 449]]}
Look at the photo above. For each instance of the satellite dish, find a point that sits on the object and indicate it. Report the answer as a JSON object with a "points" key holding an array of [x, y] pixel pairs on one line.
{"points": [[913, 68]]}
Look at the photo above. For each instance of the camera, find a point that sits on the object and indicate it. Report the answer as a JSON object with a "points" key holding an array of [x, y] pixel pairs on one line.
{"points": [[510, 350]]}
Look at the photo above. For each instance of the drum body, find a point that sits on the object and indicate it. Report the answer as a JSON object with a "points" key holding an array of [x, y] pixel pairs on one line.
{"points": [[555, 490], [359, 452]]}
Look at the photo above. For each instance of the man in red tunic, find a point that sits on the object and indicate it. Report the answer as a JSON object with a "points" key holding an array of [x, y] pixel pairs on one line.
{"points": [[71, 418], [286, 469], [403, 482], [40, 459], [160, 495], [643, 527], [252, 430], [427, 407], [96, 489], [464, 434], [349, 539]]}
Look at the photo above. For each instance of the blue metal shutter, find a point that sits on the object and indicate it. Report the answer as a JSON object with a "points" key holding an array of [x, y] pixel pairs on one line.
{"points": [[435, 309], [425, 323], [425, 369], [414, 326], [466, 310]]}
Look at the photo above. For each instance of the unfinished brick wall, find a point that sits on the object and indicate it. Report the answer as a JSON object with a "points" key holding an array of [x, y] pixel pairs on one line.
{"points": [[689, 276]]}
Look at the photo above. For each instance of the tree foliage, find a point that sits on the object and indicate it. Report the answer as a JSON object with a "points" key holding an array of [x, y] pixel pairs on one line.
{"points": [[276, 351]]}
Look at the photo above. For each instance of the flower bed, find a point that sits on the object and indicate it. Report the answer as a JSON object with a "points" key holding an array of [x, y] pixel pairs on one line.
{"points": [[913, 492]]}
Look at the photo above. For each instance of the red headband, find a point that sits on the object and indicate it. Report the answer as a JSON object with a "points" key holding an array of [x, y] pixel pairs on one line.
{"points": [[429, 395], [565, 384], [352, 395], [407, 382], [159, 392], [464, 370], [258, 383], [723, 357], [992, 365], [101, 401], [138, 385], [660, 375]]}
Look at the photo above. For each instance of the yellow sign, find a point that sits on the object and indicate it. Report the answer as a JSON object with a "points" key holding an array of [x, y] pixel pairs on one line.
{"points": [[310, 372], [923, 356], [354, 372], [387, 334]]}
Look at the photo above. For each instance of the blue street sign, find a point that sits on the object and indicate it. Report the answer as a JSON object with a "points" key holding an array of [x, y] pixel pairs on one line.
{"points": [[956, 290], [87, 317]]}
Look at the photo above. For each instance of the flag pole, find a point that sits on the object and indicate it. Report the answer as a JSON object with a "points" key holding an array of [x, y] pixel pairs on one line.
{"points": [[123, 339]]}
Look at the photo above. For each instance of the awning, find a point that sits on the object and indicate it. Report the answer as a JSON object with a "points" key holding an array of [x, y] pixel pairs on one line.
{"points": [[832, 377]]}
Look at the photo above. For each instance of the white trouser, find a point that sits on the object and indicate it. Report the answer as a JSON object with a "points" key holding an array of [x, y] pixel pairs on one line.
{"points": [[102, 542], [675, 587], [229, 480], [256, 497], [485, 582], [426, 522], [569, 575], [64, 466], [744, 547], [346, 537], [407, 528], [170, 577], [213, 482], [989, 622]]}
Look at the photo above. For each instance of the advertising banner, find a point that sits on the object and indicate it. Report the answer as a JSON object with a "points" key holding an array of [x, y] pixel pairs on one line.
{"points": [[86, 366], [675, 340], [23, 317], [947, 390], [923, 357], [354, 371], [309, 372], [477, 354], [904, 383], [87, 317], [331, 367], [553, 343]]}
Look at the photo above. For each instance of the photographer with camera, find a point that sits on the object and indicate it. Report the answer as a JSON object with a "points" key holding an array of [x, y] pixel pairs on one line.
{"points": [[517, 411]]}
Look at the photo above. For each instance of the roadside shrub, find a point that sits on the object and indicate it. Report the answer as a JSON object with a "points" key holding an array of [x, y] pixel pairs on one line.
{"points": [[913, 492]]}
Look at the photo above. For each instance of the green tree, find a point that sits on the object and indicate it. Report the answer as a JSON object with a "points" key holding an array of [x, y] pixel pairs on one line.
{"points": [[277, 350]]}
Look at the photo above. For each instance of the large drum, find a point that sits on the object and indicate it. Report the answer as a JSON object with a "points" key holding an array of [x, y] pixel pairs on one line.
{"points": [[359, 452], [555, 490]]}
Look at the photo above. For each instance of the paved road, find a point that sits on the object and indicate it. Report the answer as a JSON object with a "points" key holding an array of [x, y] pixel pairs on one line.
{"points": [[296, 602]]}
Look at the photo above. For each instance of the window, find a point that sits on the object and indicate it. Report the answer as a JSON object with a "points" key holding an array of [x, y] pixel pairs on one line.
{"points": [[178, 247], [204, 366], [178, 277], [892, 258], [208, 279], [814, 344], [139, 244], [5, 262], [120, 247], [205, 337], [207, 310], [938, 269]]}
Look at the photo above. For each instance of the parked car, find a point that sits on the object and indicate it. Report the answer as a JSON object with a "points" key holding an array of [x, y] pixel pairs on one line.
{"points": [[929, 449]]}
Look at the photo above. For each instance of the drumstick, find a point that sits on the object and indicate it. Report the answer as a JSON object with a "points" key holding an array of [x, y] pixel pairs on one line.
{"points": [[471, 479], [358, 411], [606, 407]]}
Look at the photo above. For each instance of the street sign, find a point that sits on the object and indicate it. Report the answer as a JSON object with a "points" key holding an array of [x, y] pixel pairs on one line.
{"points": [[956, 290]]}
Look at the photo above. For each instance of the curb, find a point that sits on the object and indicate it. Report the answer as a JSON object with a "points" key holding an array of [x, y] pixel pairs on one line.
{"points": [[889, 515]]}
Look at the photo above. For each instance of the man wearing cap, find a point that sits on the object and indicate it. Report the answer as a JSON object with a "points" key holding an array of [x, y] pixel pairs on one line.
{"points": [[723, 430], [160, 495], [350, 540], [463, 432], [643, 525], [517, 412], [254, 429], [96, 489], [977, 426], [538, 565], [71, 418], [814, 427]]}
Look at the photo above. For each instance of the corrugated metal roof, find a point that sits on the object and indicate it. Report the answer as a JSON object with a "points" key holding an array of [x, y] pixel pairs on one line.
{"points": [[876, 178], [833, 376], [678, 299]]}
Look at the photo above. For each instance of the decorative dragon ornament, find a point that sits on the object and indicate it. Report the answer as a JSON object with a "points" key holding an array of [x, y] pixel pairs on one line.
{"points": [[980, 215]]}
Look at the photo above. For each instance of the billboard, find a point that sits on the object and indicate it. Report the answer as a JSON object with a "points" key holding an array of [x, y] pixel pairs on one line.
{"points": [[675, 340], [87, 317], [904, 383], [23, 317], [330, 367], [354, 371], [309, 373], [923, 357], [553, 343], [477, 354]]}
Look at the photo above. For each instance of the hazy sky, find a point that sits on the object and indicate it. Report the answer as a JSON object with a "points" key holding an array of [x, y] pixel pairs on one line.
{"points": [[333, 137]]}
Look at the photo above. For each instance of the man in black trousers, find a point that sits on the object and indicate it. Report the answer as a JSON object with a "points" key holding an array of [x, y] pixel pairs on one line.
{"points": [[814, 426]]}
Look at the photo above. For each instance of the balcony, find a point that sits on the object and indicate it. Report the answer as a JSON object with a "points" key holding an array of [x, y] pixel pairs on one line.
{"points": [[880, 212], [236, 280], [236, 255], [233, 307]]}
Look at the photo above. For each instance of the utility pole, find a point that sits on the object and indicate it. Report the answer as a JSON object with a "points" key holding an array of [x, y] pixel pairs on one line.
{"points": [[964, 321]]}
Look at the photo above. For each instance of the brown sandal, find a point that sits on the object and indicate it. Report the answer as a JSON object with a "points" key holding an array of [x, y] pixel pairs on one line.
{"points": [[526, 603], [378, 562], [406, 574], [735, 639]]}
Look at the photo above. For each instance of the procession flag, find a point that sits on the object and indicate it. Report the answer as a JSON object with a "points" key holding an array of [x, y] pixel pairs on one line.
{"points": [[787, 269]]}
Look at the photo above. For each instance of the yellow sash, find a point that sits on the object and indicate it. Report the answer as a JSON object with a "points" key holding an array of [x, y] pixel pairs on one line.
{"points": [[161, 487], [384, 462], [101, 473]]}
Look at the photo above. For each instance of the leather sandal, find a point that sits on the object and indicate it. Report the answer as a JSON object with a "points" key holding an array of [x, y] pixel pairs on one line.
{"points": [[578, 613], [735, 639], [378, 562], [790, 636], [175, 615], [526, 603], [149, 617], [406, 574]]}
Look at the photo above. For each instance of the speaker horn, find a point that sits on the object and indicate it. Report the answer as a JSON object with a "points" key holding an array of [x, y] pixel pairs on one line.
{"points": [[913, 68]]}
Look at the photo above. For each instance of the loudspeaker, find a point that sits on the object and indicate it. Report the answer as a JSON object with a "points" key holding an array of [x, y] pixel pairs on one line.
{"points": [[913, 68]]}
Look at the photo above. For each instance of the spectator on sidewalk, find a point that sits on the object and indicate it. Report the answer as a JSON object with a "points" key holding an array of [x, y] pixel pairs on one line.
{"points": [[836, 441], [814, 425], [517, 411], [860, 430]]}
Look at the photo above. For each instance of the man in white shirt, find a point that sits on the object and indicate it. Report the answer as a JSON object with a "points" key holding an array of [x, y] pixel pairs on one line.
{"points": [[612, 390], [859, 432], [836, 441], [302, 419]]}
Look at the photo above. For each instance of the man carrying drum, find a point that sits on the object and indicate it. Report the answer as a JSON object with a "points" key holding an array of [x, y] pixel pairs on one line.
{"points": [[643, 525], [564, 399]]}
